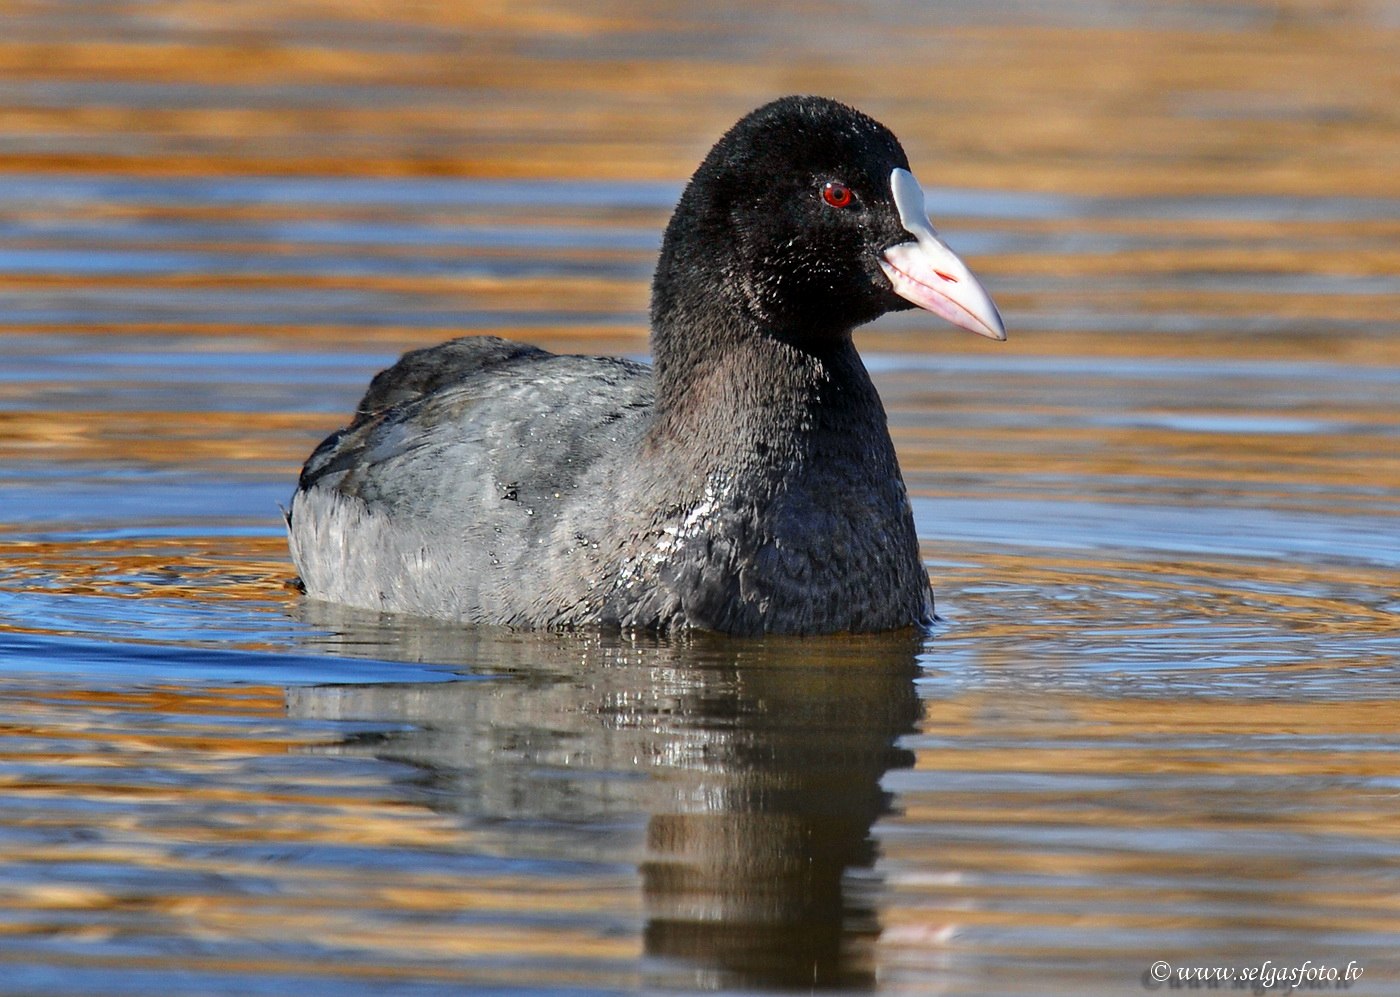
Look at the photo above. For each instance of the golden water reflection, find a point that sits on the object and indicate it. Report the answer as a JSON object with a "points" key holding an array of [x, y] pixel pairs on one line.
{"points": [[626, 814]]}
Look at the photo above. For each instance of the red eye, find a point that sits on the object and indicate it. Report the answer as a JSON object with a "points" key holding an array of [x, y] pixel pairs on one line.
{"points": [[836, 194]]}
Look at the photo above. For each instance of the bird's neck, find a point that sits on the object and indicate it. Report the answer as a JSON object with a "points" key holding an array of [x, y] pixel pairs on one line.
{"points": [[737, 397]]}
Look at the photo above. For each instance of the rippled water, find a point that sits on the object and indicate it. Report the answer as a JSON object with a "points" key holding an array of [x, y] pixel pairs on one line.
{"points": [[1158, 722]]}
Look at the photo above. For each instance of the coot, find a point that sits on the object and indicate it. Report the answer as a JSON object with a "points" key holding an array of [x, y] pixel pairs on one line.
{"points": [[745, 482]]}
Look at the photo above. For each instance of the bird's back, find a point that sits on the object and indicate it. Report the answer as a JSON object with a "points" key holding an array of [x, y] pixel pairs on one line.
{"points": [[452, 491]]}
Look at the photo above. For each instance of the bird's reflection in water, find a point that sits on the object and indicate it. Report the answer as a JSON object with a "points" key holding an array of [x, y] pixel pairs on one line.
{"points": [[755, 854], [755, 766]]}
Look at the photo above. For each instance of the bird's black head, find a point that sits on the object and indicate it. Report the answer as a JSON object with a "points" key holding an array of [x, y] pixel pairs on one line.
{"points": [[784, 224]]}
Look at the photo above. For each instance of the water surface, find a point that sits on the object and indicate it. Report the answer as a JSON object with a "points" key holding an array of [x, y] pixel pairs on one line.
{"points": [[1158, 722]]}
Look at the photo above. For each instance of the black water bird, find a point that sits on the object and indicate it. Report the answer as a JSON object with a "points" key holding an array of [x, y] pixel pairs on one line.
{"points": [[744, 483]]}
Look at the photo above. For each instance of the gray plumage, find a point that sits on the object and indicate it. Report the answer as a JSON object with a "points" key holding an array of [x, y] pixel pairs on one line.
{"points": [[540, 490]]}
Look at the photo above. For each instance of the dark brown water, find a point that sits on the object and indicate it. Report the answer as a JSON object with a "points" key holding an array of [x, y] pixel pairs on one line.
{"points": [[1161, 721]]}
